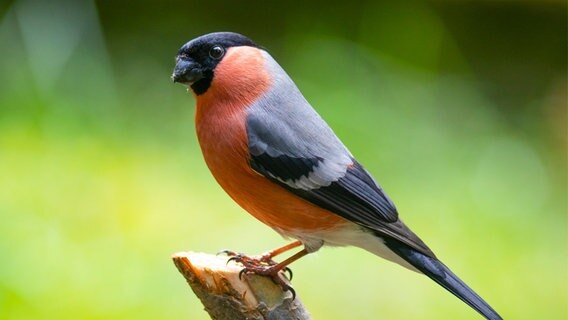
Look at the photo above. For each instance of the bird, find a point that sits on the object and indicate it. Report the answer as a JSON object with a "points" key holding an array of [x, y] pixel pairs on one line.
{"points": [[276, 157]]}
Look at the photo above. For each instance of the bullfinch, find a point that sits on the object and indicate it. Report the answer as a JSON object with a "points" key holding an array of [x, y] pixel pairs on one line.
{"points": [[280, 161]]}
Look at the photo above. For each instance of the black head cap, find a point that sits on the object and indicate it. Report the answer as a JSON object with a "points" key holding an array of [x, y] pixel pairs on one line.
{"points": [[197, 59]]}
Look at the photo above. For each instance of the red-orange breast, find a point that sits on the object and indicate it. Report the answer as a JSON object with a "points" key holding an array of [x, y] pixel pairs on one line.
{"points": [[241, 79]]}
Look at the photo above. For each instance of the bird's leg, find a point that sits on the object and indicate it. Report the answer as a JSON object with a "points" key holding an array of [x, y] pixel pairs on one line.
{"points": [[264, 265], [273, 270], [264, 259], [268, 255]]}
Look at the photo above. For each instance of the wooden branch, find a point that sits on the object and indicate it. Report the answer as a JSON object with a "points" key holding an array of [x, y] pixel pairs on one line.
{"points": [[225, 296]]}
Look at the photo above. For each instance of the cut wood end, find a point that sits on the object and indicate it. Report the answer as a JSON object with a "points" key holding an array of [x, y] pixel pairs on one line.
{"points": [[226, 297], [219, 277]]}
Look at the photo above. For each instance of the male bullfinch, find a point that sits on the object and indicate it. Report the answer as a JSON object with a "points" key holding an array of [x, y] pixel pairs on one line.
{"points": [[278, 159]]}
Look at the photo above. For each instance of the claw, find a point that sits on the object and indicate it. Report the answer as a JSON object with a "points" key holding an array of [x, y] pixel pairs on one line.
{"points": [[244, 270], [290, 274], [227, 252], [289, 288], [233, 258]]}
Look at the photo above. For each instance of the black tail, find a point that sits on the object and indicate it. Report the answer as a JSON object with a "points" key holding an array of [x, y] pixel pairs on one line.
{"points": [[438, 272]]}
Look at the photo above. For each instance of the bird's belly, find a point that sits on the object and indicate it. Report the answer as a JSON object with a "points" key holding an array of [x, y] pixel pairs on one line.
{"points": [[225, 150]]}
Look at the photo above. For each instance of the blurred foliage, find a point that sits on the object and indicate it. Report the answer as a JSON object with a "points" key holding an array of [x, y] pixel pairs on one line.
{"points": [[458, 108]]}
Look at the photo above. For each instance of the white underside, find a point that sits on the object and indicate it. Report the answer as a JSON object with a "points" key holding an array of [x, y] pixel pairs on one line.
{"points": [[349, 235]]}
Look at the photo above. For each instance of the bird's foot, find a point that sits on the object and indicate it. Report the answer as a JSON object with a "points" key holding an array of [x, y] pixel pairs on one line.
{"points": [[263, 265], [265, 259], [274, 272]]}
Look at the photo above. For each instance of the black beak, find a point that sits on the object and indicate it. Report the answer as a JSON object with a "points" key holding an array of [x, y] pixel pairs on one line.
{"points": [[187, 71]]}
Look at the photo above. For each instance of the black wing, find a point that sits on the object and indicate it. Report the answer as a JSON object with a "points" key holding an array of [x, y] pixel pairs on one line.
{"points": [[355, 196]]}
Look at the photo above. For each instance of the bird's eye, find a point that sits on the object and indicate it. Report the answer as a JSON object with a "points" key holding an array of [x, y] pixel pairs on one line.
{"points": [[216, 52]]}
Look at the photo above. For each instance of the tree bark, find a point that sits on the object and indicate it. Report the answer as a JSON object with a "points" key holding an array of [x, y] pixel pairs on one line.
{"points": [[226, 297]]}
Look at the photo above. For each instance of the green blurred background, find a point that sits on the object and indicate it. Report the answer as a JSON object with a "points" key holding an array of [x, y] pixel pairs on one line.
{"points": [[458, 108]]}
